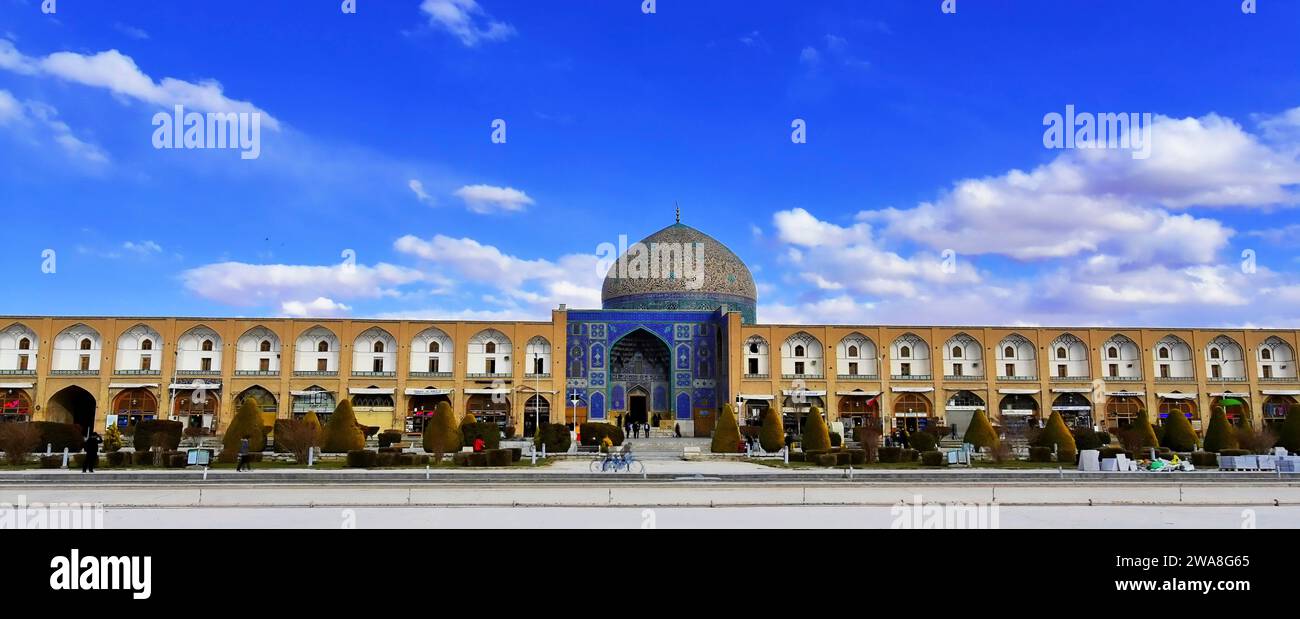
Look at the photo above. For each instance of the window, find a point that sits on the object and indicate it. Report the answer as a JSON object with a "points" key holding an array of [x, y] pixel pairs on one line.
{"points": [[323, 347], [490, 348], [85, 344], [753, 348], [205, 364], [956, 369], [379, 365], [1062, 370], [265, 346], [1009, 352], [905, 351], [905, 369], [322, 365], [146, 345], [434, 347], [22, 363], [1164, 352], [1113, 370], [853, 352], [1164, 370], [1268, 370], [433, 366], [26, 344], [207, 345], [1215, 371], [264, 365], [1112, 352], [490, 364], [146, 363], [1060, 352], [753, 366], [1265, 354], [798, 368], [799, 352], [85, 363], [539, 366], [1011, 369], [379, 347], [956, 352], [1214, 353], [853, 369]]}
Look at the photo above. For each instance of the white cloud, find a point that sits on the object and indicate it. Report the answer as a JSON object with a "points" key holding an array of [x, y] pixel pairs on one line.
{"points": [[142, 248], [243, 284], [113, 71], [1105, 201], [485, 199], [810, 56], [466, 20], [131, 31], [417, 188], [321, 307], [31, 116], [532, 285]]}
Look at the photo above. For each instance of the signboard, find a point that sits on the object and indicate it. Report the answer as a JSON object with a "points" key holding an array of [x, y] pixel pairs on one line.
{"points": [[199, 457]]}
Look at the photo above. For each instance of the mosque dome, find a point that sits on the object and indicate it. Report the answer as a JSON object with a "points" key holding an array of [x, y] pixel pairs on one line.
{"points": [[680, 268]]}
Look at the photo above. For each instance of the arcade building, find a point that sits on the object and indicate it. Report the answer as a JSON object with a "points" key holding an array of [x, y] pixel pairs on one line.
{"points": [[667, 344]]}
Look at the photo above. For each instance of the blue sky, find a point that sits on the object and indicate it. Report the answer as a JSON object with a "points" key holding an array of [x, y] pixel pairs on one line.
{"points": [[925, 140]]}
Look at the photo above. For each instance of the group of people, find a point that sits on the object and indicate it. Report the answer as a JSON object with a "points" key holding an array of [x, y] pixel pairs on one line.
{"points": [[898, 438], [637, 430]]}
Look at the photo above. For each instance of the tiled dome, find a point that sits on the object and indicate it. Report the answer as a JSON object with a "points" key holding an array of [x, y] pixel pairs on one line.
{"points": [[726, 279]]}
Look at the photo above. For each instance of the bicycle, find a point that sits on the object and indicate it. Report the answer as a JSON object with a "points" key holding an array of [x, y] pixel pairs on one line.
{"points": [[619, 462]]}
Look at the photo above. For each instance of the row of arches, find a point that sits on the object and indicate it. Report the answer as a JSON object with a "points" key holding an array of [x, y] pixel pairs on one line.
{"points": [[76, 405], [1015, 357], [1015, 412], [258, 351]]}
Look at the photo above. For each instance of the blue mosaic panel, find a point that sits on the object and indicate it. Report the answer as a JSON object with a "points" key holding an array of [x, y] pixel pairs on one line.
{"points": [[683, 356], [684, 406], [597, 356], [597, 379], [616, 398], [660, 398], [597, 408], [683, 380]]}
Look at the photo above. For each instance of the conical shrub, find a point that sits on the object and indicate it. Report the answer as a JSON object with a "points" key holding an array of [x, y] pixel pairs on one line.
{"points": [[1142, 425], [441, 434], [772, 433], [726, 434], [341, 433], [816, 436], [1219, 435], [247, 422], [1179, 434], [980, 433], [1057, 434], [312, 420]]}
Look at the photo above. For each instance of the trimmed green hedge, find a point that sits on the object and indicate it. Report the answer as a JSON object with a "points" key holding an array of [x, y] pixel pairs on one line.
{"points": [[59, 436], [486, 430], [247, 422], [441, 433], [555, 436], [1289, 434], [158, 433], [933, 458], [1205, 459], [890, 454], [362, 459], [1040, 454]]}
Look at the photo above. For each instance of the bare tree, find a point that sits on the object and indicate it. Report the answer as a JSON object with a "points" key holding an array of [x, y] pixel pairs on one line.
{"points": [[1256, 441], [297, 437]]}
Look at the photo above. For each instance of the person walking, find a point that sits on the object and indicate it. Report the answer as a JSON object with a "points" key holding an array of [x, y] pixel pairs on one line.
{"points": [[92, 453], [244, 464]]}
